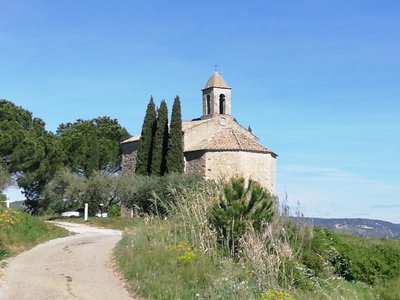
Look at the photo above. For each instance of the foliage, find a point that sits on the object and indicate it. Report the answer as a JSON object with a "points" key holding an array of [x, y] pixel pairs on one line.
{"points": [[65, 192], [92, 145], [144, 154], [272, 294], [20, 231], [69, 191], [159, 264], [160, 142], [101, 192], [152, 194], [182, 252], [389, 290], [175, 161], [4, 178], [30, 153], [238, 208], [114, 211], [177, 258], [369, 260]]}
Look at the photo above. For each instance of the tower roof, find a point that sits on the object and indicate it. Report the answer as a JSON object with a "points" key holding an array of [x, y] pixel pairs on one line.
{"points": [[216, 80]]}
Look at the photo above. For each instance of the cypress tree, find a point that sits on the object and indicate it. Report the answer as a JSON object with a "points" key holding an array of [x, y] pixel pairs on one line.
{"points": [[175, 162], [145, 147], [160, 145]]}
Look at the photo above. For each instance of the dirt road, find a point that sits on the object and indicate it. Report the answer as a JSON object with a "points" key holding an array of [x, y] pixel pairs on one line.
{"points": [[74, 267]]}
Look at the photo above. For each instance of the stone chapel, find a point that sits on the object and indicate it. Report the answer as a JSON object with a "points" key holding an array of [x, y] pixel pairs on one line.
{"points": [[216, 145]]}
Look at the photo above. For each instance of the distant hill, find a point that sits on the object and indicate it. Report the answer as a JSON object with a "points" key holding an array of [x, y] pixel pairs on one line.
{"points": [[363, 227]]}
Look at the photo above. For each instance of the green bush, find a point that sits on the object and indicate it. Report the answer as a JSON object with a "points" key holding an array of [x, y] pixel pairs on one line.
{"points": [[369, 260], [114, 211], [240, 206], [153, 194]]}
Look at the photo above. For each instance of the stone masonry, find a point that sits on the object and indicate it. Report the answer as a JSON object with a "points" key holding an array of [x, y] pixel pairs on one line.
{"points": [[216, 145]]}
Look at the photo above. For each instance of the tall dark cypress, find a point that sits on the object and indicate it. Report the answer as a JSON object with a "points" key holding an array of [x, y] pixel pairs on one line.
{"points": [[175, 161], [160, 146], [145, 147]]}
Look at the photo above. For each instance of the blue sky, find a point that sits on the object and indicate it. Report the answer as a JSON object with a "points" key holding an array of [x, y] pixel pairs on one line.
{"points": [[317, 81]]}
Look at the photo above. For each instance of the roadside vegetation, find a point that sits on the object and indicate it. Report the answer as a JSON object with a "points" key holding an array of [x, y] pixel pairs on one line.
{"points": [[189, 238], [19, 232], [196, 239], [187, 254]]}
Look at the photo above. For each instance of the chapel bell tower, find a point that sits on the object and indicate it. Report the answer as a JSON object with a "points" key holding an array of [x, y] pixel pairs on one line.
{"points": [[216, 96]]}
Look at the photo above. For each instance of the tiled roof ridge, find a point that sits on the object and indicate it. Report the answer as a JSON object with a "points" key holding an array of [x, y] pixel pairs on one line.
{"points": [[234, 119], [198, 122], [237, 139]]}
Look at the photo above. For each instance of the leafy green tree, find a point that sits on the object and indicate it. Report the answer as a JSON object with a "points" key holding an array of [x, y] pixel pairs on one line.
{"points": [[4, 181], [66, 191], [160, 144], [92, 145], [240, 206], [69, 191], [101, 192], [145, 147], [175, 161], [27, 151], [4, 178]]}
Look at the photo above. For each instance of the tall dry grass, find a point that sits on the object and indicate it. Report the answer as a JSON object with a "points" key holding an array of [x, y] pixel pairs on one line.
{"points": [[191, 211], [267, 255]]}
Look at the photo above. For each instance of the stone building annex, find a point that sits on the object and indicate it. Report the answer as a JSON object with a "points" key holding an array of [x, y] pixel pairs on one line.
{"points": [[216, 145]]}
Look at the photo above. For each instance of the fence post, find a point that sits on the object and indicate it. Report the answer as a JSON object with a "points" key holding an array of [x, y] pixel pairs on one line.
{"points": [[86, 211]]}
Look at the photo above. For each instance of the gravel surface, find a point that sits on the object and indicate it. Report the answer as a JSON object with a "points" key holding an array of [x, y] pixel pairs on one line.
{"points": [[75, 267]]}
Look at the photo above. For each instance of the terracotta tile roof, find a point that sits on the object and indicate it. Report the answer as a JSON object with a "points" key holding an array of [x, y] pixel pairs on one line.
{"points": [[132, 139], [230, 139], [193, 123]]}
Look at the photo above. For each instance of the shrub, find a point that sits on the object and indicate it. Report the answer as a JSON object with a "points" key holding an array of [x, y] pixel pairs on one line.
{"points": [[114, 211], [20, 231], [240, 206], [153, 195]]}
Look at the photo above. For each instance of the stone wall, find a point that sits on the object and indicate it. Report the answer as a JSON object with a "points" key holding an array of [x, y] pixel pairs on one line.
{"points": [[195, 162], [256, 166], [129, 155]]}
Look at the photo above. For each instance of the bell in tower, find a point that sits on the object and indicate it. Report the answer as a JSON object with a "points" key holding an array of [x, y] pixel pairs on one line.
{"points": [[216, 96]]}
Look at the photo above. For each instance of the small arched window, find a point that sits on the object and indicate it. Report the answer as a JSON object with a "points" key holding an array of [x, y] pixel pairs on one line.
{"points": [[222, 104], [208, 110]]}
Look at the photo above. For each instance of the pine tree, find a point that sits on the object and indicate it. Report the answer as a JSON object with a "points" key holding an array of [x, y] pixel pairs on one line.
{"points": [[160, 145], [175, 162], [239, 207], [145, 147]]}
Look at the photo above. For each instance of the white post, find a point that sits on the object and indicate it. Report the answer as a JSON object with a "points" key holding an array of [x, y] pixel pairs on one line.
{"points": [[86, 211], [8, 203]]}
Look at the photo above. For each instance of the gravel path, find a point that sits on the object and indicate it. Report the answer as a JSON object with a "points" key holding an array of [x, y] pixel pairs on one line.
{"points": [[74, 267]]}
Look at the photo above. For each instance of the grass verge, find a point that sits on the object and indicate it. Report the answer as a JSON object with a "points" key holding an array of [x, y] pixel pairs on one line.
{"points": [[19, 232], [159, 262]]}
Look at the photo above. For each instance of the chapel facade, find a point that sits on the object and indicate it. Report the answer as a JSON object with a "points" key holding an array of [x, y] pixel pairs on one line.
{"points": [[216, 145]]}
